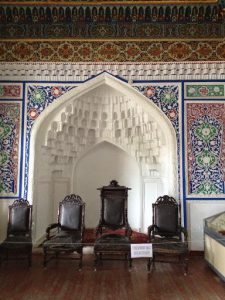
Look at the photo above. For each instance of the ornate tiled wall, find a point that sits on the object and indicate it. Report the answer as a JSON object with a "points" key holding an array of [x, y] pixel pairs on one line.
{"points": [[39, 96], [204, 128], [171, 52], [205, 138], [196, 110], [11, 125]]}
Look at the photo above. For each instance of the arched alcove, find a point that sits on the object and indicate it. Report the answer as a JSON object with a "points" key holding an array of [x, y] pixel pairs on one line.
{"points": [[103, 116], [98, 167]]}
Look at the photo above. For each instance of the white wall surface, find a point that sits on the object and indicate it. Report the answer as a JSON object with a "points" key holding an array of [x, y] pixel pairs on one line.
{"points": [[42, 208], [197, 212], [4, 217], [98, 167], [152, 189]]}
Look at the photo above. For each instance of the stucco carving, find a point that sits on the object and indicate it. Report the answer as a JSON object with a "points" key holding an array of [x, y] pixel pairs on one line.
{"points": [[129, 71]]}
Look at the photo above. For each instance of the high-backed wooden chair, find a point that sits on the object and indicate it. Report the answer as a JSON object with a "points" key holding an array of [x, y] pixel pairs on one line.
{"points": [[18, 242], [168, 237], [66, 236], [111, 244]]}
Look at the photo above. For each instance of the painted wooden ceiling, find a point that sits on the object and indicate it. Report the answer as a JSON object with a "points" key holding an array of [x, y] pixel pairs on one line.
{"points": [[112, 30]]}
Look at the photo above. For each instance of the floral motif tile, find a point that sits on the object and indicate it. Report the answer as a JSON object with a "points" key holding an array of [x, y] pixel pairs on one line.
{"points": [[10, 91], [112, 51], [207, 90], [166, 97], [10, 143], [39, 97], [205, 134], [205, 148]]}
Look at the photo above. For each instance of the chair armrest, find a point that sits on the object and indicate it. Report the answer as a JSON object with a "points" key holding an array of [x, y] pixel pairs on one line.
{"points": [[151, 228], [98, 230], [128, 231], [185, 233], [82, 232], [50, 227]]}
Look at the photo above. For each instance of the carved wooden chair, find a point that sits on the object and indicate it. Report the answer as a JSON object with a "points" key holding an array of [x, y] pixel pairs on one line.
{"points": [[18, 242], [168, 237], [64, 238], [111, 244]]}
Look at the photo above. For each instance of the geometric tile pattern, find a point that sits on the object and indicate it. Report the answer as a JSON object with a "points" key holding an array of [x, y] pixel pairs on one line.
{"points": [[205, 148], [112, 51], [10, 138]]}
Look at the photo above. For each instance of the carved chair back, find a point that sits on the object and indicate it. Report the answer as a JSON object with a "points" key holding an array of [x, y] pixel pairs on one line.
{"points": [[19, 218], [166, 216], [113, 206], [71, 213]]}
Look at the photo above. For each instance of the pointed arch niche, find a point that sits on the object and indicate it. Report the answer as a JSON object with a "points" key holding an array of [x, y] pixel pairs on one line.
{"points": [[102, 130]]}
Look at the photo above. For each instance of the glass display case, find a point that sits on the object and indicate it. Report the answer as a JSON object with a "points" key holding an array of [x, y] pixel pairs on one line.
{"points": [[214, 241]]}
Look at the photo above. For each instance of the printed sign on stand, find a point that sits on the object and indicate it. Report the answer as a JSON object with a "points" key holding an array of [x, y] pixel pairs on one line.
{"points": [[141, 250]]}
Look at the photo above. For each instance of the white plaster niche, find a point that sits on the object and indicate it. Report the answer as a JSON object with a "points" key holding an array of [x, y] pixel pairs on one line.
{"points": [[103, 129]]}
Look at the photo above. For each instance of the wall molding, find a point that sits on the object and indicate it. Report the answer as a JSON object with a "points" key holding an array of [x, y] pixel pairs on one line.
{"points": [[59, 71]]}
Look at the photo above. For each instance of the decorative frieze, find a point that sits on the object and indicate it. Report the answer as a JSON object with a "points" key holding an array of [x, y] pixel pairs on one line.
{"points": [[136, 50], [131, 72]]}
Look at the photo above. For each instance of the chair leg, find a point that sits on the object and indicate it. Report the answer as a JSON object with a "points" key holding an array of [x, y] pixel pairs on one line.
{"points": [[7, 255], [1, 256], [45, 257], [100, 260], [80, 263], [150, 264], [186, 259], [81, 260], [30, 257], [96, 261], [130, 262]]}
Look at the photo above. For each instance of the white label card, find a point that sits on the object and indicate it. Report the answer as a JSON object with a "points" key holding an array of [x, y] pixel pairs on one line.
{"points": [[141, 250]]}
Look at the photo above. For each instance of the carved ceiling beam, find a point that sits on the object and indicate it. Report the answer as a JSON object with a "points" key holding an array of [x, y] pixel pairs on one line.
{"points": [[110, 2]]}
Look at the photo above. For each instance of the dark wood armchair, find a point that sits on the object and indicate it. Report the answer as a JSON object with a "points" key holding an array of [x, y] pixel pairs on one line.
{"points": [[18, 242], [111, 244], [66, 236], [168, 237]]}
